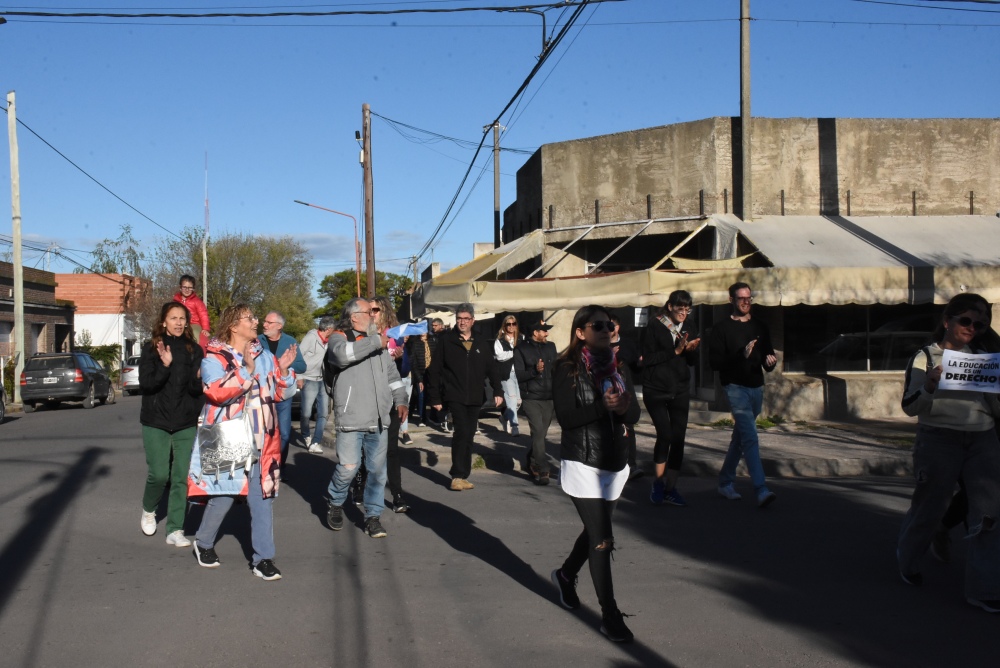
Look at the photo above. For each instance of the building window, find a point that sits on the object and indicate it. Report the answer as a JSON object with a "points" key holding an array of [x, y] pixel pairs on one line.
{"points": [[856, 338]]}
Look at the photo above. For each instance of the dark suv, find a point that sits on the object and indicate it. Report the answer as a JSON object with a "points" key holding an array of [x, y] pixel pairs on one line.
{"points": [[52, 378]]}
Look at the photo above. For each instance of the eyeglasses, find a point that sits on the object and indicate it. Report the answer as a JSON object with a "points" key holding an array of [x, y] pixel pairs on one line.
{"points": [[966, 321], [681, 309], [376, 309], [362, 312], [743, 300], [601, 325], [271, 322], [251, 318], [510, 324], [187, 287], [464, 319]]}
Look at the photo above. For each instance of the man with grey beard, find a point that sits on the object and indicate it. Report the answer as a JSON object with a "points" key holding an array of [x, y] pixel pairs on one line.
{"points": [[366, 385]]}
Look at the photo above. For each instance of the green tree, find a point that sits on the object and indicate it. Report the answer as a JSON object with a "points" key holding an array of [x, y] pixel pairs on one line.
{"points": [[339, 288], [268, 273], [118, 256]]}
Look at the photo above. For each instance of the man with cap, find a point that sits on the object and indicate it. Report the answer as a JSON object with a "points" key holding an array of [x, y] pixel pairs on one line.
{"points": [[534, 364]]}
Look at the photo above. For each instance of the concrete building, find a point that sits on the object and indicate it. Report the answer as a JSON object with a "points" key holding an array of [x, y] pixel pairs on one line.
{"points": [[48, 321], [858, 230], [102, 301]]}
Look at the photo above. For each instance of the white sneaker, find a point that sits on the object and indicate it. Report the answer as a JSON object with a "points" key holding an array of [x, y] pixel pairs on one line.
{"points": [[727, 492], [177, 538], [148, 523], [315, 448]]}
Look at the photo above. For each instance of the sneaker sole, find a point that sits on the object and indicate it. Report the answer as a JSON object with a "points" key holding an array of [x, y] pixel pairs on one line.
{"points": [[676, 504], [276, 576], [735, 497], [186, 543], [201, 563], [981, 604], [612, 639], [378, 535]]}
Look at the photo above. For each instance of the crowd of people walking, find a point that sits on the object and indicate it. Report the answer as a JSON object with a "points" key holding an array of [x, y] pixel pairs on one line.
{"points": [[216, 420]]}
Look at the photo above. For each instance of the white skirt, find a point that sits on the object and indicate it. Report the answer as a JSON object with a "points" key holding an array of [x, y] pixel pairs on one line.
{"points": [[587, 482]]}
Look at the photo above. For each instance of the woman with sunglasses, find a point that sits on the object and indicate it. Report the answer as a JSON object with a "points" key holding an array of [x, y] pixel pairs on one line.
{"points": [[668, 353], [503, 352], [594, 403], [955, 440]]}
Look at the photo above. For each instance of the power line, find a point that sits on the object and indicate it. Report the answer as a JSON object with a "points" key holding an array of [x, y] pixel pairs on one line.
{"points": [[947, 9], [85, 173], [259, 15], [462, 143]]}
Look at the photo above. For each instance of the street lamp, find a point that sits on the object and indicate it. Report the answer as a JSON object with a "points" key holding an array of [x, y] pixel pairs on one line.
{"points": [[357, 246]]}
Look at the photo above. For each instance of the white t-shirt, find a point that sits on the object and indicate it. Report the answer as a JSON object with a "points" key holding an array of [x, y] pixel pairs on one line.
{"points": [[587, 482]]}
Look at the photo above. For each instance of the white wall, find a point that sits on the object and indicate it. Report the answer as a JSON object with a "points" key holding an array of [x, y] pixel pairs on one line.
{"points": [[105, 329]]}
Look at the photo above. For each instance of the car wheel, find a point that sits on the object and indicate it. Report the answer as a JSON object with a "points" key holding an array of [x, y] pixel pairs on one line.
{"points": [[110, 399], [88, 402], [28, 408], [126, 393]]}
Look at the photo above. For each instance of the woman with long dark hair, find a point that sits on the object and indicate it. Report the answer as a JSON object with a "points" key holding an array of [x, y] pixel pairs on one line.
{"points": [[170, 378], [595, 405], [955, 441], [668, 353]]}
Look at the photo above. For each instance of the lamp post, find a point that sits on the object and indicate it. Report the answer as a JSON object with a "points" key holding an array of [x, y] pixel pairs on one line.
{"points": [[357, 246]]}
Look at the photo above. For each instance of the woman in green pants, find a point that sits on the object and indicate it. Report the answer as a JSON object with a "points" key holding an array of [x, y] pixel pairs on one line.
{"points": [[172, 399]]}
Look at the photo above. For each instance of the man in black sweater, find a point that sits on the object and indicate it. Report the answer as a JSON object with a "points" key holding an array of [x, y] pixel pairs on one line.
{"points": [[534, 364], [740, 349], [459, 366]]}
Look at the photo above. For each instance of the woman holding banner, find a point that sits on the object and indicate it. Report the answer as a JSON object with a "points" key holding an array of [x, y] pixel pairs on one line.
{"points": [[955, 440]]}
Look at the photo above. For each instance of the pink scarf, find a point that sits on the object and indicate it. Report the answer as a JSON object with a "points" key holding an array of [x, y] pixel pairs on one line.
{"points": [[602, 365]]}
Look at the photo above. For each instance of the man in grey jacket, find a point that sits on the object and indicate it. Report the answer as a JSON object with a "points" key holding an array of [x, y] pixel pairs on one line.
{"points": [[313, 350], [365, 387]]}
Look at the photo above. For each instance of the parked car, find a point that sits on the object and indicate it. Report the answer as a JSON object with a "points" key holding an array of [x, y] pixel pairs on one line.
{"points": [[130, 377], [51, 378]]}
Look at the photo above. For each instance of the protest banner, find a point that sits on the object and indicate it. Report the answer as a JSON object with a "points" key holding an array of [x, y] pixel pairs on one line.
{"points": [[973, 373]]}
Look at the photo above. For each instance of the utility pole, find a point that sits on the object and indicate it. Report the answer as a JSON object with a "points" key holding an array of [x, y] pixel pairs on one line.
{"points": [[496, 184], [204, 242], [15, 207], [747, 209], [366, 165]]}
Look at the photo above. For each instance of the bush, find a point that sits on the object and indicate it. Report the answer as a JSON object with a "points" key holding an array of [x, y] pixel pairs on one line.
{"points": [[8, 378], [109, 356], [724, 422]]}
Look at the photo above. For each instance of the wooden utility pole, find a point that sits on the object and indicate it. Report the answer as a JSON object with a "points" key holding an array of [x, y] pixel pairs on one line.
{"points": [[496, 185], [15, 208], [747, 209], [366, 165]]}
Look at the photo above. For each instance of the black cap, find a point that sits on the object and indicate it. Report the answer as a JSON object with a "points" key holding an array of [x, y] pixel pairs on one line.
{"points": [[541, 324]]}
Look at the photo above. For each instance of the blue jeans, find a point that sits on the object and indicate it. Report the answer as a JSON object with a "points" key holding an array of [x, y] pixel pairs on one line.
{"points": [[284, 409], [940, 458], [351, 445], [745, 403], [313, 395], [261, 519], [511, 397]]}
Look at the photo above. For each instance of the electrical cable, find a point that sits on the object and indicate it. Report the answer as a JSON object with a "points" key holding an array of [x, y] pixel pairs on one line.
{"points": [[947, 9], [85, 173]]}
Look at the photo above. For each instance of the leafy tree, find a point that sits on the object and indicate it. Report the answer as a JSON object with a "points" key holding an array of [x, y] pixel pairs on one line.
{"points": [[268, 273], [341, 287], [118, 256]]}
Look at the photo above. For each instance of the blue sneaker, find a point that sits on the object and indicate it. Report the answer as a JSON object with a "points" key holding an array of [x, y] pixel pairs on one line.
{"points": [[659, 490], [674, 498]]}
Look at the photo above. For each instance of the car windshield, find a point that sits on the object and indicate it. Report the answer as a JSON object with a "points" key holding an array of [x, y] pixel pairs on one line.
{"points": [[64, 362]]}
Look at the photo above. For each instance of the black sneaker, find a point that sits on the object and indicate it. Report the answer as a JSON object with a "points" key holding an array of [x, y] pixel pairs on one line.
{"points": [[265, 569], [206, 556], [335, 517], [405, 439], [374, 528], [613, 626], [567, 590], [399, 504]]}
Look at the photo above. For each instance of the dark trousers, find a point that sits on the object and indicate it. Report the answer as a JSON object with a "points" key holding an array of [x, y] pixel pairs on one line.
{"points": [[669, 414], [465, 419], [539, 412], [596, 516], [392, 467]]}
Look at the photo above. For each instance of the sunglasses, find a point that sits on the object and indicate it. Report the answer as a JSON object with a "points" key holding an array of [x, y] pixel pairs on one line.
{"points": [[601, 325], [376, 309], [510, 324], [966, 321]]}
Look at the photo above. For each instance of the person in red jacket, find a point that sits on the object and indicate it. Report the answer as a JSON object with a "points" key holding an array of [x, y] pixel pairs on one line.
{"points": [[199, 312]]}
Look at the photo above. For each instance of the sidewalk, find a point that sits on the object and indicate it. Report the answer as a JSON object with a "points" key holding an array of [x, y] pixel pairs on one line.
{"points": [[809, 450]]}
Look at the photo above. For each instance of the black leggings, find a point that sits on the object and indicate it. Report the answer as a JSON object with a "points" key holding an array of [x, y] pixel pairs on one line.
{"points": [[595, 545], [394, 473], [669, 414]]}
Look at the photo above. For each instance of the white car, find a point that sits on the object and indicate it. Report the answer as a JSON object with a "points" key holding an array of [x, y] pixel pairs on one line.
{"points": [[130, 376]]}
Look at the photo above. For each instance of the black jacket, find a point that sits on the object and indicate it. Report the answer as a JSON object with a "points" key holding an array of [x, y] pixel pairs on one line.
{"points": [[726, 343], [591, 435], [535, 385], [504, 367], [663, 370], [172, 397], [456, 374]]}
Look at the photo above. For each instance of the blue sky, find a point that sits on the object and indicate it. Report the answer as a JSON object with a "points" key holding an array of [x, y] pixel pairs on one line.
{"points": [[275, 104]]}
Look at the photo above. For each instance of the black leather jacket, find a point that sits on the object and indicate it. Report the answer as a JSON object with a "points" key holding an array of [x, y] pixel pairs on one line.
{"points": [[535, 385], [591, 435], [173, 396]]}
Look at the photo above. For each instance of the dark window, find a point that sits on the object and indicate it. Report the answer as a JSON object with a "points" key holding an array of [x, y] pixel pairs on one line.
{"points": [[856, 338]]}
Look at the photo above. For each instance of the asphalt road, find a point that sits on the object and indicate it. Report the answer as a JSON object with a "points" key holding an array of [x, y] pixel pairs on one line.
{"points": [[460, 581]]}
